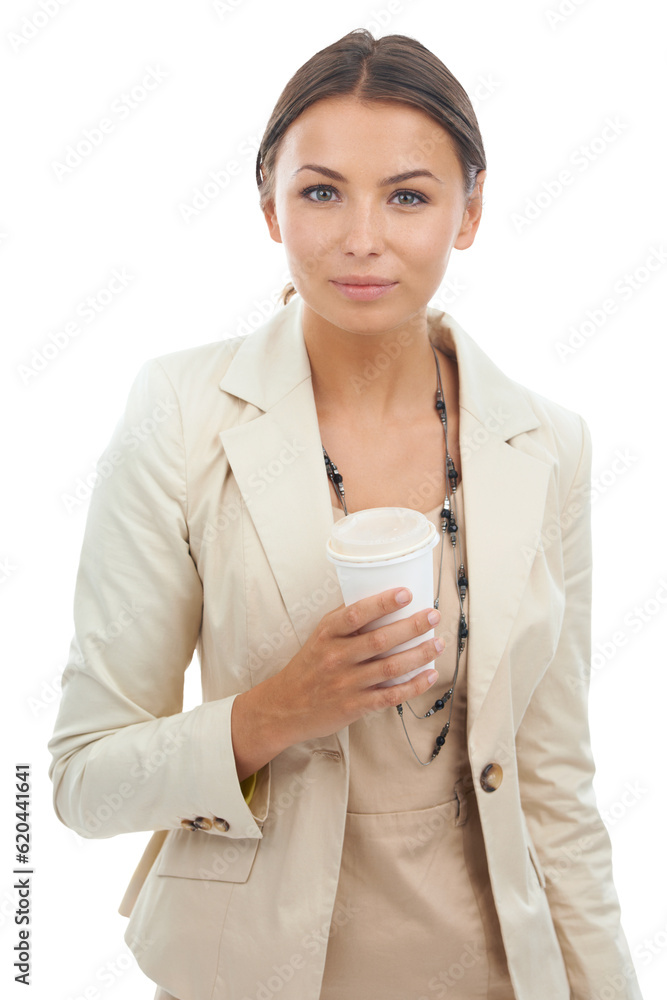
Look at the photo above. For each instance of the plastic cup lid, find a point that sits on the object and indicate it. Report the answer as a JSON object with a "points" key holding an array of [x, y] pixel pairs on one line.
{"points": [[380, 532]]}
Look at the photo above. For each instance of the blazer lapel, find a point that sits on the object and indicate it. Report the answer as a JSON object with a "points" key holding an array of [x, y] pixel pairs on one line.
{"points": [[277, 461]]}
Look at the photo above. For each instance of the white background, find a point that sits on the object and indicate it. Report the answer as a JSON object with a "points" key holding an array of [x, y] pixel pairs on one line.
{"points": [[543, 87]]}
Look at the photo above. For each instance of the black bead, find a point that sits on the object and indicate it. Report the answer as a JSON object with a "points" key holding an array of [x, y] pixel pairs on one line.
{"points": [[453, 526], [440, 740], [439, 704], [337, 477], [440, 404]]}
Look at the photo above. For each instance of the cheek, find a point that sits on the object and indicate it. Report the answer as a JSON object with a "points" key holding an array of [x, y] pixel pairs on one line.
{"points": [[299, 234], [428, 244], [308, 248]]}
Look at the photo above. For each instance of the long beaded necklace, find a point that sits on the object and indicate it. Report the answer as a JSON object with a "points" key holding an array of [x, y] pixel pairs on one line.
{"points": [[448, 516]]}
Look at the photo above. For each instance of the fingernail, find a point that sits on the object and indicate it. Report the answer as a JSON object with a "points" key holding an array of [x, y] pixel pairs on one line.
{"points": [[403, 596], [432, 676], [439, 645], [434, 617]]}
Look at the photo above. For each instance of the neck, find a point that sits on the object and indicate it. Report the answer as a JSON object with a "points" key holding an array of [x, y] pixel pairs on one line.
{"points": [[379, 378]]}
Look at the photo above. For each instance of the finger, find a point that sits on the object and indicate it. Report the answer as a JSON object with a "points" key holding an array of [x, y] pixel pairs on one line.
{"points": [[346, 620], [396, 694], [383, 668]]}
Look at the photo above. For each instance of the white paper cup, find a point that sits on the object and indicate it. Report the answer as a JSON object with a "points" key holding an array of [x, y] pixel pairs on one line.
{"points": [[378, 549]]}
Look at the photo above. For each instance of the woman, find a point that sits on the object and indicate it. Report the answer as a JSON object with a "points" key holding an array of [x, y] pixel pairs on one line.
{"points": [[317, 833]]}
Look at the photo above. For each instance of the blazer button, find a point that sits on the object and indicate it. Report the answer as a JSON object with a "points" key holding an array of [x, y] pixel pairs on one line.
{"points": [[198, 823], [491, 777], [220, 824]]}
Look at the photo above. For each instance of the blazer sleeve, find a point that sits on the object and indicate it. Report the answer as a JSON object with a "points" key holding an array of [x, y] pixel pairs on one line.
{"points": [[125, 756], [556, 769]]}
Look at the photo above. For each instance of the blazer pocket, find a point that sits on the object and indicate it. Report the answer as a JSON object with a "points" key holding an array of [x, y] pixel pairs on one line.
{"points": [[194, 854]]}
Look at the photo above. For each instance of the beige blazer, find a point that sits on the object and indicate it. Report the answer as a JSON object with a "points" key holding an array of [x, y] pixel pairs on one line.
{"points": [[207, 531]]}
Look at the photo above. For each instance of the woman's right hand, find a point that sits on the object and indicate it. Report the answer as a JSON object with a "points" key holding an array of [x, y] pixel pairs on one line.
{"points": [[332, 680]]}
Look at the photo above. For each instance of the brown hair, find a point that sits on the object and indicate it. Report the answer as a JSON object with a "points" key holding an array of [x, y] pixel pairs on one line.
{"points": [[393, 68]]}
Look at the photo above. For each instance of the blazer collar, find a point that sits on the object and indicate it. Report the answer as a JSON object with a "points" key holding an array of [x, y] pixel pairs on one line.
{"points": [[290, 502], [273, 360]]}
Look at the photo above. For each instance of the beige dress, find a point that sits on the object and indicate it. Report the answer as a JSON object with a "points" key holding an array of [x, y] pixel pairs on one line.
{"points": [[414, 917]]}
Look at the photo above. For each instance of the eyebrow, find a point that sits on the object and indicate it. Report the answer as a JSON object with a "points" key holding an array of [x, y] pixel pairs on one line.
{"points": [[385, 182]]}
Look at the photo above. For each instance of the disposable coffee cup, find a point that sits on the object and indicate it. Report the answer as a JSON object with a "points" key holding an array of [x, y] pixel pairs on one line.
{"points": [[381, 548]]}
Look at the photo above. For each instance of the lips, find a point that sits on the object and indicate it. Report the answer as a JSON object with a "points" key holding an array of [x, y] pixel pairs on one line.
{"points": [[366, 289], [351, 279]]}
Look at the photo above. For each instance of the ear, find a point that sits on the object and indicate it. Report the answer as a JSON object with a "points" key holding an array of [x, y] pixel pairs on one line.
{"points": [[472, 215], [272, 222]]}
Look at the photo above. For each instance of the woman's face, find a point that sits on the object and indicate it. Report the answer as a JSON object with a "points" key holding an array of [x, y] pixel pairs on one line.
{"points": [[362, 222]]}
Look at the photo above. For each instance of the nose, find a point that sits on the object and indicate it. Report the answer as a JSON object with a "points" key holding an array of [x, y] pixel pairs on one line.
{"points": [[362, 229]]}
